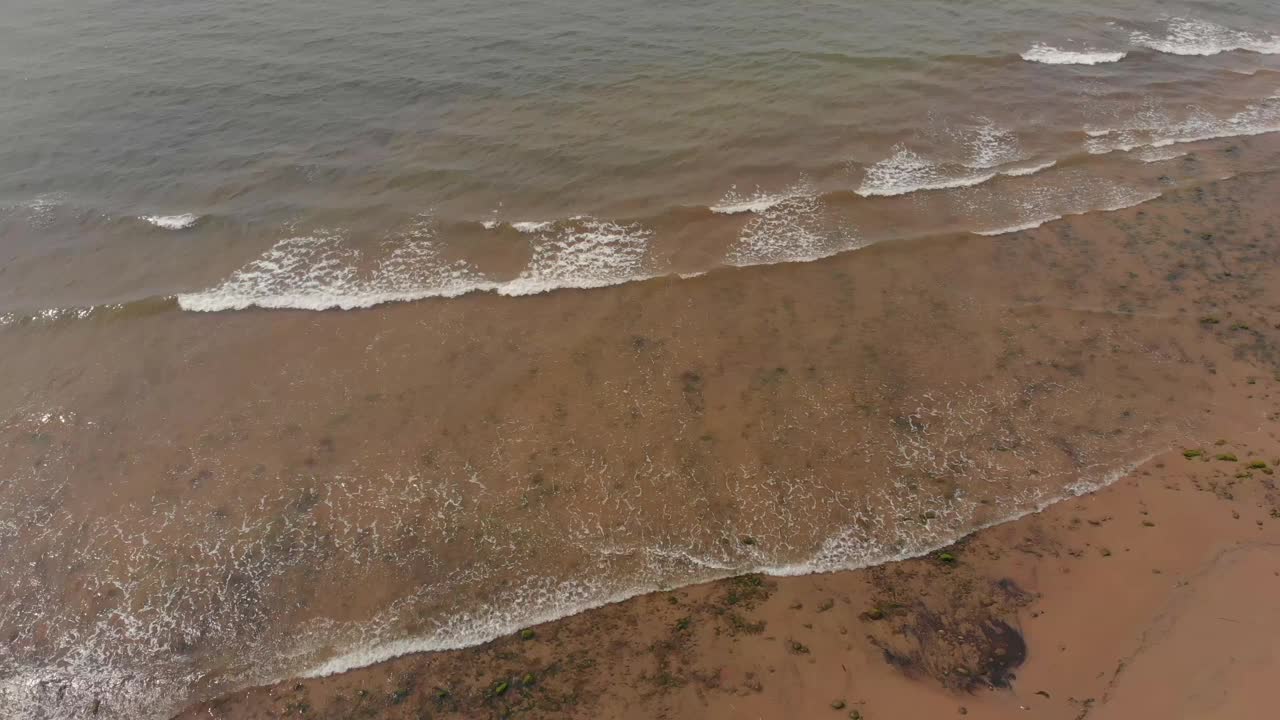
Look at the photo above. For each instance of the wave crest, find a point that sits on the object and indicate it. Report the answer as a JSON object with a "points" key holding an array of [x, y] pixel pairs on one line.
{"points": [[1049, 55], [1189, 36], [172, 222]]}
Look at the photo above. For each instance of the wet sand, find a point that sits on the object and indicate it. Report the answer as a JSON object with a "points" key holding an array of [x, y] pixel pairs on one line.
{"points": [[203, 503]]}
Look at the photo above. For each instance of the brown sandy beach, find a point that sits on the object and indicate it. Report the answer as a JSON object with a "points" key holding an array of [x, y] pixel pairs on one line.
{"points": [[1153, 597]]}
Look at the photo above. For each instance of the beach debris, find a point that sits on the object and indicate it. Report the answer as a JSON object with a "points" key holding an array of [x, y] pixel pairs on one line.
{"points": [[947, 558], [528, 679], [1258, 465], [1227, 457], [837, 705], [528, 634], [875, 614], [1191, 454], [501, 688]]}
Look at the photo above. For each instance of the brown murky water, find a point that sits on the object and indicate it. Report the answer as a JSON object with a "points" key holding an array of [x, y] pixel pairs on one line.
{"points": [[193, 502]]}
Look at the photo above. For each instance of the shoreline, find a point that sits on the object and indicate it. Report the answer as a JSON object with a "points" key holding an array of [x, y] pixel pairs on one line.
{"points": [[339, 665], [1025, 614]]}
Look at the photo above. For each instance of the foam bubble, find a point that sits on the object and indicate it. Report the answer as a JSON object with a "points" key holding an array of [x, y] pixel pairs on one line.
{"points": [[40, 210], [320, 272], [735, 202], [1189, 36], [1153, 127], [1030, 169], [906, 171], [585, 253], [1155, 155], [1028, 225], [981, 148], [1049, 55], [1033, 206], [868, 534], [531, 226], [990, 145], [172, 222], [792, 230]]}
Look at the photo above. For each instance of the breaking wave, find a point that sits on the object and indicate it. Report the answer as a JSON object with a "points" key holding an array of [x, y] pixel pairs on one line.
{"points": [[1189, 36], [734, 202], [1049, 55], [1155, 127], [172, 222], [988, 150], [321, 271]]}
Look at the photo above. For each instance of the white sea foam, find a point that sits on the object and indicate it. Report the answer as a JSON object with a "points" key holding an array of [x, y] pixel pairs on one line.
{"points": [[130, 654], [172, 222], [1030, 169], [1031, 207], [735, 202], [1155, 155], [1154, 127], [906, 171], [587, 253], [989, 144], [320, 272], [1028, 225], [982, 148], [541, 600], [1189, 36], [794, 230], [1049, 55], [41, 209], [528, 226]]}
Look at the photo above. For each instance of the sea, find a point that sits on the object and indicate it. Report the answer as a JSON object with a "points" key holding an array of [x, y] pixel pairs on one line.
{"points": [[335, 331]]}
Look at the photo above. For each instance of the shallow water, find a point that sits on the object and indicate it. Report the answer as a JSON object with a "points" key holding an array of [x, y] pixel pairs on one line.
{"points": [[205, 483]]}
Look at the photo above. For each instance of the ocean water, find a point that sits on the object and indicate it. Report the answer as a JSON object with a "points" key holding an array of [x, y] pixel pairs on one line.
{"points": [[498, 311], [262, 133]]}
